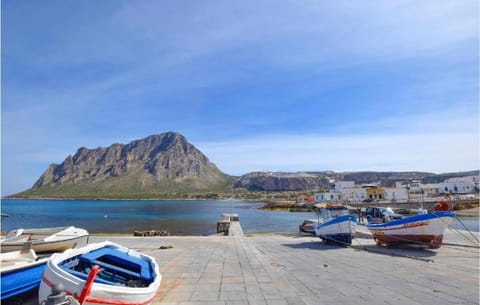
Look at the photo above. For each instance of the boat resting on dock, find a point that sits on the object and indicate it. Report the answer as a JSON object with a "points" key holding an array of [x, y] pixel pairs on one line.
{"points": [[424, 229], [21, 272], [45, 240], [336, 224], [125, 276]]}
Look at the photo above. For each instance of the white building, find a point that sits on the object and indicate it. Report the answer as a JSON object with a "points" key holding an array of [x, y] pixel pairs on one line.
{"points": [[340, 185], [432, 189], [458, 187], [396, 194], [327, 197], [353, 194], [415, 186], [471, 179]]}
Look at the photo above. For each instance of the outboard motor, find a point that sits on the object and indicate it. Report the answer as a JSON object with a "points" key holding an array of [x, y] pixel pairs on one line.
{"points": [[59, 297]]}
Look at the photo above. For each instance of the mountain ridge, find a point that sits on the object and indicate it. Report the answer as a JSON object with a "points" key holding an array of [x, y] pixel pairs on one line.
{"points": [[167, 164], [146, 167]]}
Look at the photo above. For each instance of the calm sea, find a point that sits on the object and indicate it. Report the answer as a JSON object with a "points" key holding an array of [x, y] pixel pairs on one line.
{"points": [[197, 217]]}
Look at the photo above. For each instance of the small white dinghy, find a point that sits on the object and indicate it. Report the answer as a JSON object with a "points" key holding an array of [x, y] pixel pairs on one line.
{"points": [[125, 276], [45, 240]]}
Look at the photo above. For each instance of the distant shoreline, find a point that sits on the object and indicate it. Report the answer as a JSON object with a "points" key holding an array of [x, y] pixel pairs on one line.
{"points": [[463, 208]]}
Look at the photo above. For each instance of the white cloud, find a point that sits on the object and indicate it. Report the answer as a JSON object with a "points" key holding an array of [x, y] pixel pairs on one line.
{"points": [[438, 142], [428, 152]]}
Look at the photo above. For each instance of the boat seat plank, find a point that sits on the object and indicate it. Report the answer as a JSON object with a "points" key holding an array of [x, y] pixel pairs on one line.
{"points": [[123, 258], [84, 276], [117, 269]]}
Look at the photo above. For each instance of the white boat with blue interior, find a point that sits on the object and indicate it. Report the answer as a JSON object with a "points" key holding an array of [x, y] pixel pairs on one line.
{"points": [[124, 276]]}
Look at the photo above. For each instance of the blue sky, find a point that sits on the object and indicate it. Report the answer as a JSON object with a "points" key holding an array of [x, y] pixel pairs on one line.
{"points": [[255, 85]]}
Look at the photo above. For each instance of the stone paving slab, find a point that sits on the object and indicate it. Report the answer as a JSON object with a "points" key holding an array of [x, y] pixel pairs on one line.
{"points": [[269, 269]]}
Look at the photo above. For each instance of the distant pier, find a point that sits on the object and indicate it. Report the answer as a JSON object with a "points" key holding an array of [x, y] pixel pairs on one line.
{"points": [[225, 221]]}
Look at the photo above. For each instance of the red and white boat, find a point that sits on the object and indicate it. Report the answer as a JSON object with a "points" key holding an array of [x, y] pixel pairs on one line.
{"points": [[425, 229], [125, 276]]}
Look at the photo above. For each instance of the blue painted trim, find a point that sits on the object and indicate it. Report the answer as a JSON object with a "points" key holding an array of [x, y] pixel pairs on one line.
{"points": [[337, 220], [17, 281], [341, 238], [410, 219], [310, 231]]}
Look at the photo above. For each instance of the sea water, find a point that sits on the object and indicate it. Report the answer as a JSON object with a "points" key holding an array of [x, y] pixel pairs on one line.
{"points": [[179, 217], [192, 217]]}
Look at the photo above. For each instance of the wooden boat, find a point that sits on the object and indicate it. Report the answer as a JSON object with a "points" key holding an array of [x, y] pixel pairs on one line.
{"points": [[125, 276], [425, 229], [21, 272], [336, 224], [45, 240]]}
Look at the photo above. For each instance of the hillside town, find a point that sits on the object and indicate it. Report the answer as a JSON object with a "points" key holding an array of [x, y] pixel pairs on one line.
{"points": [[458, 188]]}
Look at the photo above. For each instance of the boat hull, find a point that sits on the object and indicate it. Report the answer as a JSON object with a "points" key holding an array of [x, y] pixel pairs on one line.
{"points": [[46, 240], [308, 227], [47, 246], [101, 292], [423, 229], [340, 229], [17, 280]]}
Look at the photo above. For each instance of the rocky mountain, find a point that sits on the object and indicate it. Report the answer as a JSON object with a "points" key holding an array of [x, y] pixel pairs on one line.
{"points": [[167, 165], [269, 181], [158, 164]]}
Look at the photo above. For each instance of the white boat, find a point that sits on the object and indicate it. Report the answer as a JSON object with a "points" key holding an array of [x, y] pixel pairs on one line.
{"points": [[424, 229], [336, 224], [125, 277], [45, 240], [21, 272]]}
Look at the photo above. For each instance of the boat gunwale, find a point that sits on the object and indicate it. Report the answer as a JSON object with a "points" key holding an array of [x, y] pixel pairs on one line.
{"points": [[56, 259], [40, 242], [337, 220], [411, 219]]}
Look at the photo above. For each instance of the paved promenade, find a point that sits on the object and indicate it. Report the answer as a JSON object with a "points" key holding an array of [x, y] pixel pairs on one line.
{"points": [[277, 269]]}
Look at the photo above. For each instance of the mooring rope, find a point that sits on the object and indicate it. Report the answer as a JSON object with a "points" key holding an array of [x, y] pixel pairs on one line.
{"points": [[467, 229]]}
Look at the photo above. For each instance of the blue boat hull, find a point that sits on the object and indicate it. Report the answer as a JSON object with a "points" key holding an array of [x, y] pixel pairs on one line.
{"points": [[340, 229], [18, 281], [338, 238]]}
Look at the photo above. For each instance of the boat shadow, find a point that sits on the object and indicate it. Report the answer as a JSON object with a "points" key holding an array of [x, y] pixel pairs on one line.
{"points": [[415, 252], [27, 298], [316, 245]]}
